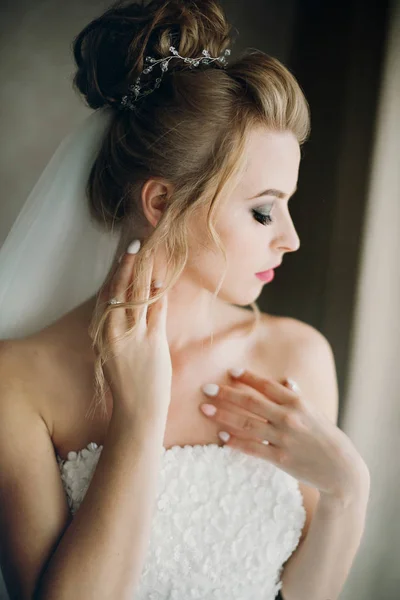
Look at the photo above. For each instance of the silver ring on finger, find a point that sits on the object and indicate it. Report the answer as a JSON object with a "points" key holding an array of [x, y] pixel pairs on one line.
{"points": [[114, 301]]}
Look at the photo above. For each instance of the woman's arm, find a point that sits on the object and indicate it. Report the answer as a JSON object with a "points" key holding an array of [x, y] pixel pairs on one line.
{"points": [[320, 568], [100, 552]]}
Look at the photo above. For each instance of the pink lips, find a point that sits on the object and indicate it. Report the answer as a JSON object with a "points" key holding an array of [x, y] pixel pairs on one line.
{"points": [[266, 276]]}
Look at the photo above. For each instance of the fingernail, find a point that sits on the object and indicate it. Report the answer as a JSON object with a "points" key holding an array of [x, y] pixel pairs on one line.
{"points": [[208, 409], [211, 389], [293, 385], [133, 247], [157, 284], [224, 435], [236, 372]]}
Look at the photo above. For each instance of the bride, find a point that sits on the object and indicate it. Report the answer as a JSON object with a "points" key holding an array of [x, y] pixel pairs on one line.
{"points": [[135, 463]]}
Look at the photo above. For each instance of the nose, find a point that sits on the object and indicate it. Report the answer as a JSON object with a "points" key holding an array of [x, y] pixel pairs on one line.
{"points": [[288, 240]]}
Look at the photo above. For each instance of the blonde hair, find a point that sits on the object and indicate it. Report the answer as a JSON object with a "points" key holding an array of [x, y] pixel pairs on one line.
{"points": [[215, 106]]}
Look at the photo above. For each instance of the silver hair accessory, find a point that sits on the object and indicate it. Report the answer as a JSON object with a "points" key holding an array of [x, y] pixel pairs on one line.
{"points": [[135, 92]]}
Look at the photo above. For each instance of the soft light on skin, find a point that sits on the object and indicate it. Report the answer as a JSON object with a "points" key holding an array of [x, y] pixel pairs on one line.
{"points": [[273, 160]]}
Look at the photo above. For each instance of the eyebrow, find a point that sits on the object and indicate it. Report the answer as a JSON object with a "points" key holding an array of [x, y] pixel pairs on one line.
{"points": [[273, 192]]}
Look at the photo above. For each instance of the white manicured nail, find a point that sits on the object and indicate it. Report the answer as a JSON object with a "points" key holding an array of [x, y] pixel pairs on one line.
{"points": [[133, 248], [224, 435], [236, 372], [157, 284], [211, 389], [293, 385]]}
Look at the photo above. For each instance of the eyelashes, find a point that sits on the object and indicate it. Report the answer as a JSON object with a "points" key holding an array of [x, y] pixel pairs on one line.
{"points": [[261, 218]]}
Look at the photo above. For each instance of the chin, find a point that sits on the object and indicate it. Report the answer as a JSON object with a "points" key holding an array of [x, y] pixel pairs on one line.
{"points": [[242, 297]]}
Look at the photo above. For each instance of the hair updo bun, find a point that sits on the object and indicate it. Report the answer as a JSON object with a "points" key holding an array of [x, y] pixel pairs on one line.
{"points": [[109, 52]]}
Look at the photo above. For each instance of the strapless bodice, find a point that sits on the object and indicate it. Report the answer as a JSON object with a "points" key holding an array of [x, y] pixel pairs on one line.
{"points": [[224, 522]]}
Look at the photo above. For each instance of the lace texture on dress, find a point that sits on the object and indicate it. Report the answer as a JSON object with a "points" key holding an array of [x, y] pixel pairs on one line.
{"points": [[223, 526]]}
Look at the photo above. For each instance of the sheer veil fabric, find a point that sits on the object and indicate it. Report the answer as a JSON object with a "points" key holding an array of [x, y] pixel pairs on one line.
{"points": [[55, 257]]}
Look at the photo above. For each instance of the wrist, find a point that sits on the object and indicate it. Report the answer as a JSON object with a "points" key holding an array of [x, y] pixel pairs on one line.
{"points": [[138, 417]]}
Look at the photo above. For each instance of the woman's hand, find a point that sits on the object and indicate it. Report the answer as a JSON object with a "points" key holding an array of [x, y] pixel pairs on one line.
{"points": [[139, 373], [287, 431]]}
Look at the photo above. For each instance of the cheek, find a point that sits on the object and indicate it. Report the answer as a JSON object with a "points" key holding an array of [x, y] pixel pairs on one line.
{"points": [[244, 252], [244, 243], [237, 238]]}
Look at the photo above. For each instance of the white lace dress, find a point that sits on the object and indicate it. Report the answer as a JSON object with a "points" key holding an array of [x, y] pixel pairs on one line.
{"points": [[224, 522]]}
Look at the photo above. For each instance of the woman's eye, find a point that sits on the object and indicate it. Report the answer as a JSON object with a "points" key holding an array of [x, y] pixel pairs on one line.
{"points": [[261, 218]]}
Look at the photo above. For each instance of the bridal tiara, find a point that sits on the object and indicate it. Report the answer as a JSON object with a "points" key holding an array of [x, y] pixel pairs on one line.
{"points": [[135, 92]]}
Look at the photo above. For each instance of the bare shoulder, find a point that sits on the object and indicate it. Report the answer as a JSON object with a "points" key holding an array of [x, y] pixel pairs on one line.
{"points": [[292, 331], [33, 504], [307, 357], [57, 382], [22, 384], [22, 364], [20, 352]]}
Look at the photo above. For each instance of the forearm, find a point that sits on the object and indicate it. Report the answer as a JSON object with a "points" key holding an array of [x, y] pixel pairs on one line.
{"points": [[320, 568], [102, 552]]}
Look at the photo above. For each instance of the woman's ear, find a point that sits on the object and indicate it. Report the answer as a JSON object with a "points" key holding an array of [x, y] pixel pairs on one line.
{"points": [[154, 196]]}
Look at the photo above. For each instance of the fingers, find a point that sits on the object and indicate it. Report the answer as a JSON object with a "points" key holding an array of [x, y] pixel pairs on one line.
{"points": [[267, 386], [142, 311], [119, 286], [272, 453], [252, 402], [157, 320], [245, 426], [118, 289], [157, 313]]}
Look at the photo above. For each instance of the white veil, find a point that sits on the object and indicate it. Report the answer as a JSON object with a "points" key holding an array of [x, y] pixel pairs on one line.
{"points": [[55, 257]]}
